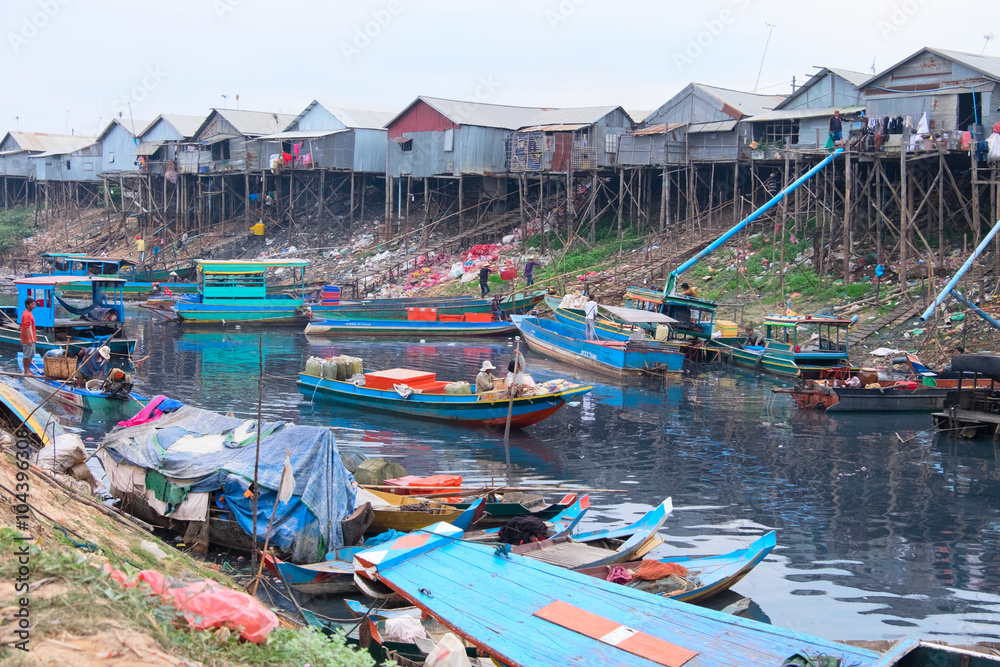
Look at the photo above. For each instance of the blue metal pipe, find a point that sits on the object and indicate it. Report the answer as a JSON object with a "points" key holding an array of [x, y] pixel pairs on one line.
{"points": [[672, 278], [983, 314], [958, 275]]}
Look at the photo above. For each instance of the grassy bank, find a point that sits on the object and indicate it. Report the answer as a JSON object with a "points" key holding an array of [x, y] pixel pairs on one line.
{"points": [[16, 224]]}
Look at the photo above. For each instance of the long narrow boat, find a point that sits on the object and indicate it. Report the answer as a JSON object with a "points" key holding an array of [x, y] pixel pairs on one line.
{"points": [[431, 401], [406, 328], [549, 616], [735, 352], [396, 309], [707, 575], [605, 328], [564, 343], [71, 396], [61, 325]]}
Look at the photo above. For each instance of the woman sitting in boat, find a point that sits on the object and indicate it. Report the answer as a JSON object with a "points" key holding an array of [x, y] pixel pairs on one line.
{"points": [[484, 381], [93, 363]]}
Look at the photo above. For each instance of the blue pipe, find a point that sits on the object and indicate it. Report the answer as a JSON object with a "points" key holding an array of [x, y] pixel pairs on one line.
{"points": [[672, 278], [986, 316], [958, 275]]}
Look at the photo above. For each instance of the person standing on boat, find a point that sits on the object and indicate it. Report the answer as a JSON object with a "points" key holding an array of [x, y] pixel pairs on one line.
{"points": [[29, 335], [484, 381], [94, 364], [590, 311], [484, 280], [529, 268]]}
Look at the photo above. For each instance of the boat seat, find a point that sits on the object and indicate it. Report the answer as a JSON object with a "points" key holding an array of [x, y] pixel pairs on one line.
{"points": [[569, 554]]}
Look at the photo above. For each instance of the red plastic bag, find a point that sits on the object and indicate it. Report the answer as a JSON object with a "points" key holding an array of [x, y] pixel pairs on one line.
{"points": [[207, 604]]}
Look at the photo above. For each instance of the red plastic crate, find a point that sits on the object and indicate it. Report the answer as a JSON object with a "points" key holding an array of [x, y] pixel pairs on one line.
{"points": [[479, 317], [448, 317], [508, 273]]}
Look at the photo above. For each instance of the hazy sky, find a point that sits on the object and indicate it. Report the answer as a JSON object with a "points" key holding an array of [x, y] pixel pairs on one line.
{"points": [[74, 64]]}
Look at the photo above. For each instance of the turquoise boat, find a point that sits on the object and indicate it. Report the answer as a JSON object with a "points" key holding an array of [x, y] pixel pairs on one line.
{"points": [[694, 317], [828, 350], [235, 292], [567, 343], [140, 280], [62, 325], [429, 400], [524, 612]]}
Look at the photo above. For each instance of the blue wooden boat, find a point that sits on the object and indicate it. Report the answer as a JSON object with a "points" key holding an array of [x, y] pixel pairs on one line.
{"points": [[71, 396], [708, 575], [605, 328], [523, 612], [396, 309], [489, 409], [406, 328], [61, 324], [235, 292], [565, 343], [139, 281]]}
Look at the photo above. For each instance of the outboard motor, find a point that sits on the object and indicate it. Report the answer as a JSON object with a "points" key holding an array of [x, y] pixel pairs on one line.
{"points": [[118, 384]]}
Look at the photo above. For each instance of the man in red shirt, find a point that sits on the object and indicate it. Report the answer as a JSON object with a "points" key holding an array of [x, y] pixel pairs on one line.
{"points": [[29, 336]]}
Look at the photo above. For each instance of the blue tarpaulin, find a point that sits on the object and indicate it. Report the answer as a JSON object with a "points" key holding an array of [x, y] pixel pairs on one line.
{"points": [[209, 452]]}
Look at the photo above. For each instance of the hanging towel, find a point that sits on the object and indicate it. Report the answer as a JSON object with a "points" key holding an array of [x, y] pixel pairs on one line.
{"points": [[923, 127]]}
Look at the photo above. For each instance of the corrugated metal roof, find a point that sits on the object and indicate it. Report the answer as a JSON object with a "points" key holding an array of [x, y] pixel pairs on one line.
{"points": [[749, 104], [73, 144], [986, 65], [857, 78], [639, 115], [577, 115], [300, 134], [554, 128], [785, 114], [718, 126], [148, 147], [185, 125], [659, 128], [479, 113], [253, 123], [362, 118], [39, 141], [127, 124]]}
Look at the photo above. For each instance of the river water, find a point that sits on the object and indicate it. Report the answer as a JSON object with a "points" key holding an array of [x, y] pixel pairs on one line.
{"points": [[884, 530]]}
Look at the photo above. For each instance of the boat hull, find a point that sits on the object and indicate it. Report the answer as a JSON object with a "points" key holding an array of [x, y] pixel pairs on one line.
{"points": [[924, 399], [374, 327], [212, 313], [557, 341], [462, 409], [92, 401], [521, 303], [730, 351]]}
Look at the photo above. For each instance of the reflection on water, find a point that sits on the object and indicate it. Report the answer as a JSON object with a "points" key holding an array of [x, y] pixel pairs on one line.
{"points": [[876, 538]]}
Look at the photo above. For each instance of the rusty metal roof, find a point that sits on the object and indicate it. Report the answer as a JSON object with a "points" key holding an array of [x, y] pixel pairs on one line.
{"points": [[659, 128], [718, 126], [988, 66], [39, 141], [749, 104]]}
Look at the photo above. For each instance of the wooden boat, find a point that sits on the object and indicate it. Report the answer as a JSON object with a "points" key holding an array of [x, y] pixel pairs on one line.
{"points": [[235, 292], [71, 396], [409, 513], [695, 316], [707, 576], [59, 328], [889, 396], [830, 349], [601, 547], [734, 351], [605, 327], [498, 510], [138, 282], [547, 615], [488, 409], [561, 342], [412, 328], [16, 410], [335, 574], [396, 309]]}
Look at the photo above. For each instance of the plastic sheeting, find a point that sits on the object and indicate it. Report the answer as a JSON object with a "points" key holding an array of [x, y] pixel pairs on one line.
{"points": [[210, 452]]}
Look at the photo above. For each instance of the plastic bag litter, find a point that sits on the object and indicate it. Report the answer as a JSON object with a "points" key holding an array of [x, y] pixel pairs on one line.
{"points": [[404, 629], [448, 653], [207, 604]]}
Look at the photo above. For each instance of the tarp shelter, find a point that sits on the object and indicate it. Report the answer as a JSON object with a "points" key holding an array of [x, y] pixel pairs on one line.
{"points": [[194, 451]]}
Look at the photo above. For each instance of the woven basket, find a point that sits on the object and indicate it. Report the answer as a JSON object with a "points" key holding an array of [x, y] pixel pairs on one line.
{"points": [[59, 368]]}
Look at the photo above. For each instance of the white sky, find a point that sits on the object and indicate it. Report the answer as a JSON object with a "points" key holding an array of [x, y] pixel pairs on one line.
{"points": [[73, 64]]}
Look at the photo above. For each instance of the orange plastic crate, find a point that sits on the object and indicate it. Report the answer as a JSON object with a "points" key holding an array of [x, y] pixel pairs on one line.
{"points": [[479, 317], [421, 314], [445, 483], [385, 379], [448, 317]]}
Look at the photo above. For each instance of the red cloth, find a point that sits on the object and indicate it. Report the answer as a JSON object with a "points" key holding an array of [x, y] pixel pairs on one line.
{"points": [[651, 570], [148, 414], [28, 332], [619, 575], [207, 604]]}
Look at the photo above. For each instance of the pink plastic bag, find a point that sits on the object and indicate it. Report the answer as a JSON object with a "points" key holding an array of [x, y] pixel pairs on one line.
{"points": [[207, 604]]}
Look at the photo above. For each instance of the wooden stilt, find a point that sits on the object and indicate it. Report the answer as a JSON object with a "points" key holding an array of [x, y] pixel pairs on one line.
{"points": [[904, 189]]}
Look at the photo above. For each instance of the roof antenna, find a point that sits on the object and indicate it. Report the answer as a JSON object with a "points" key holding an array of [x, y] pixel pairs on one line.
{"points": [[873, 66], [771, 27], [988, 36]]}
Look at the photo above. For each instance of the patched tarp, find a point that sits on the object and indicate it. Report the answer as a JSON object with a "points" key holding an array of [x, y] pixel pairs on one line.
{"points": [[205, 451]]}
